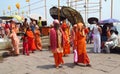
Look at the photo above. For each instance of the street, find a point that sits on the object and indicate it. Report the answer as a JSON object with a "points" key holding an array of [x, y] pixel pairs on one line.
{"points": [[42, 62]]}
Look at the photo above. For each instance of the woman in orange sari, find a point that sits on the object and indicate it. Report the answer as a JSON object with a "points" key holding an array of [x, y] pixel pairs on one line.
{"points": [[38, 39], [81, 45], [66, 45], [56, 43], [31, 41], [15, 42]]}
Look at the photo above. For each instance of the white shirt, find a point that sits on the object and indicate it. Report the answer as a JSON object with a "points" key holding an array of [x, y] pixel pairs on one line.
{"points": [[114, 38], [95, 30]]}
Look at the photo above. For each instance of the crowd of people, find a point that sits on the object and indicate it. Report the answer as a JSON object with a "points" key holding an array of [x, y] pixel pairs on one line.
{"points": [[62, 37], [31, 38], [105, 37], [60, 44]]}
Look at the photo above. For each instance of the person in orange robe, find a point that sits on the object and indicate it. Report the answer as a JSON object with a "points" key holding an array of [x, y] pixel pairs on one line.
{"points": [[81, 45], [31, 40], [66, 45], [56, 43], [15, 42], [38, 42]]}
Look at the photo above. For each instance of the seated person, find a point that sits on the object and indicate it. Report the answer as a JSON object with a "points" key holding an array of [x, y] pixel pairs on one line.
{"points": [[112, 41]]}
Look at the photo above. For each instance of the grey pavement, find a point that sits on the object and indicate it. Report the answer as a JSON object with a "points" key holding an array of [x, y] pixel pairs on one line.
{"points": [[42, 62]]}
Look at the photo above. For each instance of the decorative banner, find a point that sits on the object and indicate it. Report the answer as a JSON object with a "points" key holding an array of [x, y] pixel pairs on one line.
{"points": [[9, 7], [27, 0], [17, 5]]}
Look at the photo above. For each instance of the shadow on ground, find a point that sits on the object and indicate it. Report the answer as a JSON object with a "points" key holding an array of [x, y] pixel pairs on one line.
{"points": [[1, 59], [5, 54], [70, 65], [46, 66]]}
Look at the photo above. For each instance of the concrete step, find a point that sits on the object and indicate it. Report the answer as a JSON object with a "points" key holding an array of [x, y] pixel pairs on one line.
{"points": [[45, 40], [45, 37], [45, 44]]}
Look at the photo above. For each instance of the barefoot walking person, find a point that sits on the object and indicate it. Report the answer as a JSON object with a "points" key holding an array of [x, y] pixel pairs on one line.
{"points": [[56, 43], [81, 45], [66, 45]]}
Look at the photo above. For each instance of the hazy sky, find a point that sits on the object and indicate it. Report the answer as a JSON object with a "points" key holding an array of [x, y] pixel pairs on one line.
{"points": [[38, 7]]}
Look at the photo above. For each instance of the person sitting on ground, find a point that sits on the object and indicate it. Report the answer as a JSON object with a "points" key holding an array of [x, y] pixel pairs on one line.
{"points": [[112, 41]]}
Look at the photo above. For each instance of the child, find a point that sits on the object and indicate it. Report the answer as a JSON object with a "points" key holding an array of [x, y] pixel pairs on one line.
{"points": [[25, 44]]}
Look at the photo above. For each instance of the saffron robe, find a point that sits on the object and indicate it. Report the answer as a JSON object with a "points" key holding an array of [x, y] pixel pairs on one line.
{"points": [[66, 44], [15, 42], [38, 42], [56, 44], [31, 41], [81, 45]]}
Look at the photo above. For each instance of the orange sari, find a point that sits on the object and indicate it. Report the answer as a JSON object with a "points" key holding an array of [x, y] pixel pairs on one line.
{"points": [[15, 42], [81, 46], [66, 45], [31, 41], [38, 39]]}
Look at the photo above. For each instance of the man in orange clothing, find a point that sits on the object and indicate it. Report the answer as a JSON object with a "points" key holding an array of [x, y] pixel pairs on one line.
{"points": [[81, 45], [56, 43], [66, 45]]}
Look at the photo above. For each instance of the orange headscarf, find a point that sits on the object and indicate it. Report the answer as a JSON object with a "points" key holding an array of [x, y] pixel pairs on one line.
{"points": [[64, 26], [80, 27]]}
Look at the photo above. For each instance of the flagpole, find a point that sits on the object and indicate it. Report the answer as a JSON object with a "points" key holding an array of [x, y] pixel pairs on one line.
{"points": [[111, 8], [59, 10], [45, 11], [100, 1]]}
